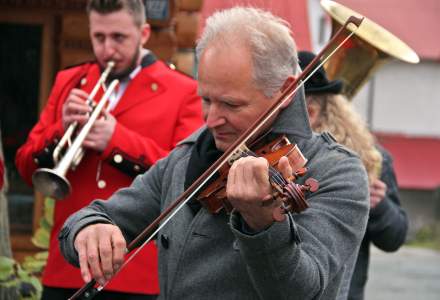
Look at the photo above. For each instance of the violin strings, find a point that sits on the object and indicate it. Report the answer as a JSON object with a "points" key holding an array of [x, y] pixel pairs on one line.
{"points": [[274, 174]]}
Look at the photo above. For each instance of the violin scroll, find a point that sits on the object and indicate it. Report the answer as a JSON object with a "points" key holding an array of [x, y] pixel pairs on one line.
{"points": [[293, 198]]}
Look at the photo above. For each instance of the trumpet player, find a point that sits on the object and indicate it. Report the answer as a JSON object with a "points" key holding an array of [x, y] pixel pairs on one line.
{"points": [[150, 111]]}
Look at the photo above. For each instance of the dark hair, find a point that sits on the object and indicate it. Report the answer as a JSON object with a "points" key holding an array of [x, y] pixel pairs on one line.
{"points": [[135, 8]]}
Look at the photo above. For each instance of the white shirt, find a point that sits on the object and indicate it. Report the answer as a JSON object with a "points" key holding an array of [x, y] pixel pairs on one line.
{"points": [[120, 89]]}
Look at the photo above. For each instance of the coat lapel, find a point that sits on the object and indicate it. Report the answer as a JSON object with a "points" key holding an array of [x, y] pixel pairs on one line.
{"points": [[142, 88]]}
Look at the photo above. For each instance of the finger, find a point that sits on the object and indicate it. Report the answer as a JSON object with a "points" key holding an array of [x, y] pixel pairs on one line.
{"points": [[106, 115], [82, 256], [261, 184], [81, 119], [88, 143], [378, 183], [106, 256], [378, 191], [74, 108], [243, 177], [93, 259], [77, 107], [119, 250], [244, 172], [93, 136], [374, 201], [99, 124], [381, 194], [381, 185], [232, 174], [79, 93], [261, 171], [285, 168]]}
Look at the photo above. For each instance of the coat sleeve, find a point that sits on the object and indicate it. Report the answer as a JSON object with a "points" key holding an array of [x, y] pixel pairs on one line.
{"points": [[302, 257], [139, 152], [37, 150], [388, 223], [131, 209]]}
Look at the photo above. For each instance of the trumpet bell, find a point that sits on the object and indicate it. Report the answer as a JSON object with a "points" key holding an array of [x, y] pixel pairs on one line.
{"points": [[51, 184], [369, 48]]}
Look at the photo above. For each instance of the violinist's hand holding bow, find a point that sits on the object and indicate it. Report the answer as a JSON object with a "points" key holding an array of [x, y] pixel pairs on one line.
{"points": [[248, 187], [101, 249]]}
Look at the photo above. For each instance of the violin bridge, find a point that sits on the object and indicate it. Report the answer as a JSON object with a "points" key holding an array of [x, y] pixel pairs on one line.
{"points": [[238, 153]]}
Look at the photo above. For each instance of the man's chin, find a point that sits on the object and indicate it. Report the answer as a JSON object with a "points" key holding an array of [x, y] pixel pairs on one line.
{"points": [[222, 144]]}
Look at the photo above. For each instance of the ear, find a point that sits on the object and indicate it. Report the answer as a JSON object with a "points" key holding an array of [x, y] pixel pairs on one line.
{"points": [[286, 84], [145, 33]]}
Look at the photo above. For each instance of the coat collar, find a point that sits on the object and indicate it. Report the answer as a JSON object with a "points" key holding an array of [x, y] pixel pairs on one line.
{"points": [[294, 119], [148, 59]]}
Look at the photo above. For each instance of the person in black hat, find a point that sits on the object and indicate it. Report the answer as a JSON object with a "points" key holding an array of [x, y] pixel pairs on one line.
{"points": [[318, 83], [330, 111]]}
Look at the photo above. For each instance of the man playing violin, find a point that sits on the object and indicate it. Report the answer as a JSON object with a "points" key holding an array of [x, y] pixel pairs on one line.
{"points": [[246, 57], [152, 109]]}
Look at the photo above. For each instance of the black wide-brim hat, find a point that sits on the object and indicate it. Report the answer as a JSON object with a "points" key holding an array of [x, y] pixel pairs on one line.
{"points": [[318, 83]]}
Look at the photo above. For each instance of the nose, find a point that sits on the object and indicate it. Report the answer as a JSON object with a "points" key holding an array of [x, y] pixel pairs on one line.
{"points": [[109, 48], [213, 116]]}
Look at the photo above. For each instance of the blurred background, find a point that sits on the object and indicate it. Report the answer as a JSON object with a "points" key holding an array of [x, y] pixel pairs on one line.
{"points": [[399, 100]]}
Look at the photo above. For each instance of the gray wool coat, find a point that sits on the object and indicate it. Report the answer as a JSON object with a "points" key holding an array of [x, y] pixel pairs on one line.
{"points": [[308, 256]]}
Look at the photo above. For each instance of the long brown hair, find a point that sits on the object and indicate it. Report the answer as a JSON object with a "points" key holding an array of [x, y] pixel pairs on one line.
{"points": [[337, 116]]}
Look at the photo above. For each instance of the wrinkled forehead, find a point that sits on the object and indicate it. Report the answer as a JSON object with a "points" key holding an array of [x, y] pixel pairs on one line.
{"points": [[224, 66]]}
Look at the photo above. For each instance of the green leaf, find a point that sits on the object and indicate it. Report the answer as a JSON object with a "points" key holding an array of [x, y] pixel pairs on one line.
{"points": [[41, 238], [49, 207], [17, 277], [42, 255], [10, 283], [6, 268]]}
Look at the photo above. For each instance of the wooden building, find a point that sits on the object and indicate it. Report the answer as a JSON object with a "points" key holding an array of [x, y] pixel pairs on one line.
{"points": [[41, 37]]}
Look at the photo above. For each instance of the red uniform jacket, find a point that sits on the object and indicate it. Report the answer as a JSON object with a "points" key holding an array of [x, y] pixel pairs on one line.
{"points": [[159, 108]]}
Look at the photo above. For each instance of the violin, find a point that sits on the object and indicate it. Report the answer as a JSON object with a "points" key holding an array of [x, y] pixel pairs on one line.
{"points": [[285, 190]]}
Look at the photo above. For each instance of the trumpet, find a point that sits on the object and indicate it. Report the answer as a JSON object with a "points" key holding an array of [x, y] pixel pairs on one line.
{"points": [[53, 182]]}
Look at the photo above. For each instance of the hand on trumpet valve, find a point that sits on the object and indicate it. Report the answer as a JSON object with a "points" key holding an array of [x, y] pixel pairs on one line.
{"points": [[75, 109], [101, 132]]}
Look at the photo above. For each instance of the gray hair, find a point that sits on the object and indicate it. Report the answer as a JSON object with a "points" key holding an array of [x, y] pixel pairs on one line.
{"points": [[273, 49]]}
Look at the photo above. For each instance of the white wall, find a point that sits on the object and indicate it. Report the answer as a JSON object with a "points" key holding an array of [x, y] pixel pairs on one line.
{"points": [[407, 99]]}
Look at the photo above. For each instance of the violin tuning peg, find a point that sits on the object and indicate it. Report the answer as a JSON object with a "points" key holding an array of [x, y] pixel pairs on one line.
{"points": [[300, 172], [312, 184], [279, 214]]}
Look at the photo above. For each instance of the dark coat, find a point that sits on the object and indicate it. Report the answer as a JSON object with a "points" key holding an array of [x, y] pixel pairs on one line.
{"points": [[386, 229], [307, 256]]}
